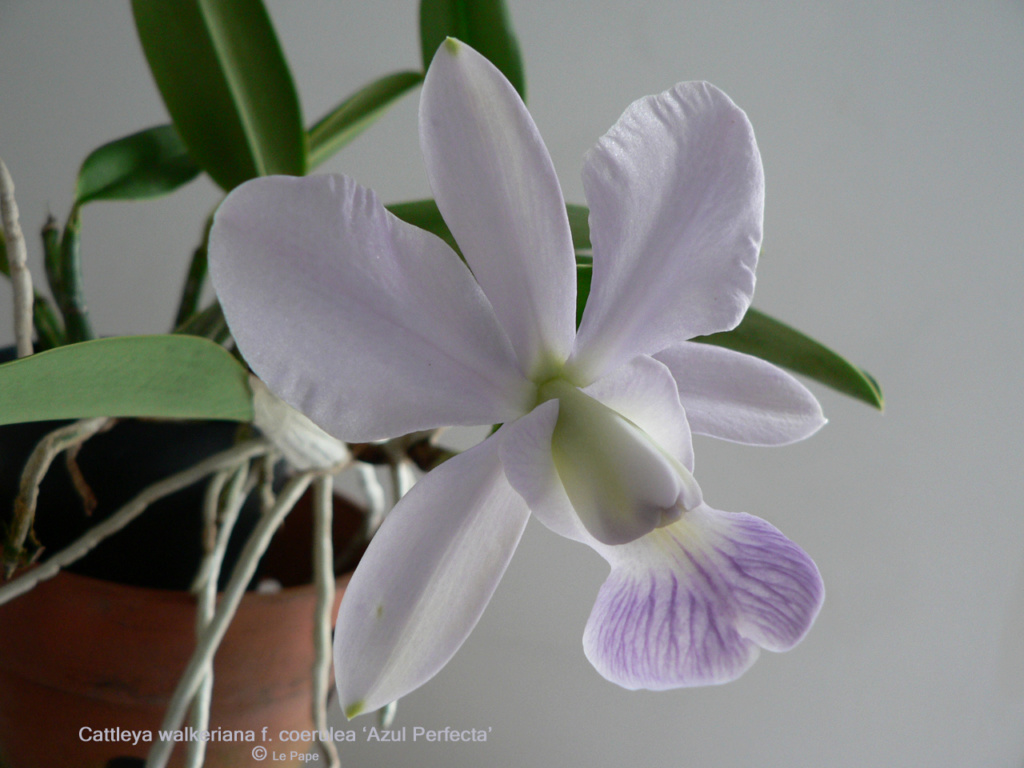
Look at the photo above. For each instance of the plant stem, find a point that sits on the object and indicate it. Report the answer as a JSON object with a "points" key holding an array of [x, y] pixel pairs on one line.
{"points": [[323, 577], [21, 278], [48, 569], [32, 475], [193, 287], [72, 298], [51, 257], [214, 633]]}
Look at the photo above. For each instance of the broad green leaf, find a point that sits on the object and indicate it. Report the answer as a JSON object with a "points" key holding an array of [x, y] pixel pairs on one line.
{"points": [[145, 164], [774, 341], [483, 24], [425, 215], [356, 113], [226, 84], [181, 377]]}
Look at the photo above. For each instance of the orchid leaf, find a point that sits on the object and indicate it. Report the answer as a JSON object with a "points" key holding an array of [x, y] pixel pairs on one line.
{"points": [[226, 84], [482, 24], [757, 334], [774, 341], [425, 215], [356, 113], [182, 377], [579, 225], [584, 274], [145, 164]]}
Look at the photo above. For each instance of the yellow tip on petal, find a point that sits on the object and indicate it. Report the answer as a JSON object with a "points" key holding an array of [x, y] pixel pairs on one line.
{"points": [[354, 709], [452, 44]]}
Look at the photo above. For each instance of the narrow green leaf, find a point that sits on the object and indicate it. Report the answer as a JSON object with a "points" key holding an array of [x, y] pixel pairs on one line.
{"points": [[584, 274], [774, 341], [425, 215], [72, 296], [208, 323], [767, 338], [757, 334], [145, 164], [356, 113], [182, 377], [52, 258], [483, 24], [579, 225], [226, 84]]}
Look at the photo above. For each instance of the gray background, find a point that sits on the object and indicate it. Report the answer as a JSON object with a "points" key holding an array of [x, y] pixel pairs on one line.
{"points": [[893, 148]]}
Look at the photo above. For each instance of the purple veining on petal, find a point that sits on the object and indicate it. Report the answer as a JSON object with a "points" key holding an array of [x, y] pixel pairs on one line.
{"points": [[692, 604], [775, 584]]}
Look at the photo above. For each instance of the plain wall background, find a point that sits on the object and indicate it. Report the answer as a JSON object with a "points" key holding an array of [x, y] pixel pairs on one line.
{"points": [[892, 135]]}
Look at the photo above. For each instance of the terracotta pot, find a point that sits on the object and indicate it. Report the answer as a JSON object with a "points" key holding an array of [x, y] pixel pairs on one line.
{"points": [[102, 647], [79, 653]]}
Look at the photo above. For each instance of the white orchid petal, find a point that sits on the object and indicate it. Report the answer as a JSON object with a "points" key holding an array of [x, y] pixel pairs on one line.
{"points": [[644, 391], [620, 484], [693, 603], [587, 473], [526, 456], [496, 188], [676, 195], [739, 397], [426, 578], [370, 326]]}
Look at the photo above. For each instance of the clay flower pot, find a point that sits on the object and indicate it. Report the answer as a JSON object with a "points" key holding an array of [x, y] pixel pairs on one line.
{"points": [[81, 658], [101, 648]]}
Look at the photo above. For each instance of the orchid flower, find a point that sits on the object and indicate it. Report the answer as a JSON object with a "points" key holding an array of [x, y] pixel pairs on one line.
{"points": [[374, 328]]}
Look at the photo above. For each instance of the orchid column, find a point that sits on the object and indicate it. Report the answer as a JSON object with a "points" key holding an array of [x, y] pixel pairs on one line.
{"points": [[375, 328]]}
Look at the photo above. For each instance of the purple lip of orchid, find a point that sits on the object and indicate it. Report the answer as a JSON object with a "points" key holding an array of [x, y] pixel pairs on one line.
{"points": [[374, 328]]}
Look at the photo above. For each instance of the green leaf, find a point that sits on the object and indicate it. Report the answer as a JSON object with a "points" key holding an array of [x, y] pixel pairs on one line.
{"points": [[757, 334], [483, 24], [584, 274], [181, 377], [145, 164], [72, 296], [356, 113], [579, 225], [774, 341], [425, 215], [226, 84]]}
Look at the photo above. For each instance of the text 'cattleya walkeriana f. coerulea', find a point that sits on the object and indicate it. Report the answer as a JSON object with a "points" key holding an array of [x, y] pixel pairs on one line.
{"points": [[375, 328]]}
